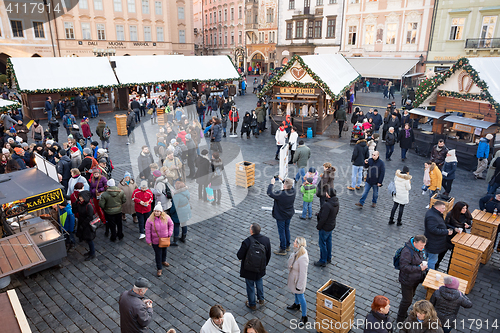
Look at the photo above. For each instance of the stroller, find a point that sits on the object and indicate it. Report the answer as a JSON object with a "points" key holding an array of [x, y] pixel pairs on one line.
{"points": [[357, 133]]}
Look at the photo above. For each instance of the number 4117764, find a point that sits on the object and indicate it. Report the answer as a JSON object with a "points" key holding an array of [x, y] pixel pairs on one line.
{"points": [[32, 7], [471, 324]]}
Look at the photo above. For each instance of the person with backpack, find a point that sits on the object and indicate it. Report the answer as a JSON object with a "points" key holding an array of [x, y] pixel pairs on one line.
{"points": [[254, 255], [103, 131], [412, 265], [402, 184], [88, 163]]}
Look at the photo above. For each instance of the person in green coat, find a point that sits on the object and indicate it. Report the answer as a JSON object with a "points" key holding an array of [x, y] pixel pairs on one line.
{"points": [[111, 202], [404, 94], [261, 117], [308, 190], [301, 157], [340, 117]]}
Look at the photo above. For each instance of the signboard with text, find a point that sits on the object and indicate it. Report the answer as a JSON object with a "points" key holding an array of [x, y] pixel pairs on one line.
{"points": [[34, 203], [463, 128], [302, 91]]}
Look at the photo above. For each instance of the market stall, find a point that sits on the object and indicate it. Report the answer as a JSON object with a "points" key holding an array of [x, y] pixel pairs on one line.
{"points": [[465, 102], [22, 195], [8, 105], [37, 78], [307, 88]]}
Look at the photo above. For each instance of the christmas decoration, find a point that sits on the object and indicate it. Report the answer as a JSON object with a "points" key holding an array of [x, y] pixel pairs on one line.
{"points": [[13, 106]]}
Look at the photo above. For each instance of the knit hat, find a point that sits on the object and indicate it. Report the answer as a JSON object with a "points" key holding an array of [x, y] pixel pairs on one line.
{"points": [[84, 119], [24, 144], [173, 141], [127, 174], [70, 136], [188, 136], [49, 142], [157, 173], [309, 180], [5, 151], [489, 136], [144, 183], [18, 150], [101, 151], [312, 170], [142, 283], [159, 208], [451, 282], [111, 182], [19, 139], [96, 170], [87, 151], [10, 139], [13, 130]]}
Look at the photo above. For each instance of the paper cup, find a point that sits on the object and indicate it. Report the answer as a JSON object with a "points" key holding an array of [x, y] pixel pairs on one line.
{"points": [[438, 276], [424, 263], [460, 230]]}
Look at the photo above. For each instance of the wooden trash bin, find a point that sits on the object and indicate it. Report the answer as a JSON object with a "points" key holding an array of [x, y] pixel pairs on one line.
{"points": [[160, 116], [485, 225], [121, 124], [245, 174], [335, 306], [431, 284], [448, 204], [466, 257]]}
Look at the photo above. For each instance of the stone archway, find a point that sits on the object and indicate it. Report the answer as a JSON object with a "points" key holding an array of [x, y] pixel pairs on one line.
{"points": [[3, 63], [258, 62]]}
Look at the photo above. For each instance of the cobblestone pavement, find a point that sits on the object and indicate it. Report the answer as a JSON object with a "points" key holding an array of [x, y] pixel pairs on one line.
{"points": [[83, 296]]}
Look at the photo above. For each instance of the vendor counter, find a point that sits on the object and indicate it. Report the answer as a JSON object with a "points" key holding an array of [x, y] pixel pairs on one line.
{"points": [[301, 123]]}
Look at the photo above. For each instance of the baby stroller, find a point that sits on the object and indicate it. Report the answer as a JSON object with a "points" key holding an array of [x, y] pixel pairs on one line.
{"points": [[357, 133]]}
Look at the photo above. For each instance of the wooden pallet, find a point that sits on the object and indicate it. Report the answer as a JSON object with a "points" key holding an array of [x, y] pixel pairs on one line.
{"points": [[121, 124], [333, 315], [485, 225], [448, 204]]}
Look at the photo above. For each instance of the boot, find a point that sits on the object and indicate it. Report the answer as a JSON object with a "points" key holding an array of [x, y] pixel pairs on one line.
{"points": [[152, 121], [391, 221], [124, 217], [293, 307], [241, 136], [303, 320], [158, 272], [183, 238], [276, 157], [134, 218], [224, 135], [399, 223], [174, 243]]}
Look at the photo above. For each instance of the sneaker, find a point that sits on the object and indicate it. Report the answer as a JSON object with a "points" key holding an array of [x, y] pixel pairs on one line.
{"points": [[253, 307], [128, 142], [288, 249], [90, 258], [261, 302], [320, 264], [350, 188], [374, 205], [280, 252], [142, 236], [302, 218], [423, 192], [427, 207], [359, 205], [357, 187]]}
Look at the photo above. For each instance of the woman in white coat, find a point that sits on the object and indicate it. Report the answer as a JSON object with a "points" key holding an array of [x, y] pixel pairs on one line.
{"points": [[297, 276], [402, 181]]}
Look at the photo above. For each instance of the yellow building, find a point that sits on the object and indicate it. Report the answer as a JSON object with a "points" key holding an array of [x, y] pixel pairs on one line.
{"points": [[91, 27], [463, 28]]}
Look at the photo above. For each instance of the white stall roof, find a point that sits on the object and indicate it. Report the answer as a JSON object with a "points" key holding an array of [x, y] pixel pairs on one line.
{"points": [[382, 68], [489, 71], [5, 103], [428, 113], [469, 121], [172, 68], [45, 74]]}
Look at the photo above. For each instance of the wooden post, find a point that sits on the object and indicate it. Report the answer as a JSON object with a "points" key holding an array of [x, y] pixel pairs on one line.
{"points": [[321, 114]]}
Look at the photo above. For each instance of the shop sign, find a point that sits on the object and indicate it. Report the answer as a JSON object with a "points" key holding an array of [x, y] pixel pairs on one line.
{"points": [[34, 203], [463, 128], [303, 91]]}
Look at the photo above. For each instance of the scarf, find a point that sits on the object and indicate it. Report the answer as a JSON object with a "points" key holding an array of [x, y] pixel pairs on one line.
{"points": [[427, 177], [128, 182], [407, 133]]}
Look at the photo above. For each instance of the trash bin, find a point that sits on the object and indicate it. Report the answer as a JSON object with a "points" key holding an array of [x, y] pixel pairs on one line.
{"points": [[335, 307], [245, 174], [121, 124]]}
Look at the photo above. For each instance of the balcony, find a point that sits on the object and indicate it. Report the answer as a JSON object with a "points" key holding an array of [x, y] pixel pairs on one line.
{"points": [[482, 43], [252, 26]]}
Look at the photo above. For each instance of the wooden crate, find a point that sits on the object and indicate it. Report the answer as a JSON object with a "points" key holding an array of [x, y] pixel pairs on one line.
{"points": [[333, 315], [245, 174], [448, 204], [160, 118], [485, 225], [121, 124], [431, 284]]}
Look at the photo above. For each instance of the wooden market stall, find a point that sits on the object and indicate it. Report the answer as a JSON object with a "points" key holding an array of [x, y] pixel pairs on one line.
{"points": [[463, 104], [307, 88]]}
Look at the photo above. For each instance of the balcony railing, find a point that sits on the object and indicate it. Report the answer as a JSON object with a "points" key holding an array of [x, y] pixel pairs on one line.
{"points": [[482, 43]]}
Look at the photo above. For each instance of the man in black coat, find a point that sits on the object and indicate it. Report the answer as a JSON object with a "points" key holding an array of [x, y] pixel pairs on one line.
{"points": [[144, 161], [63, 168], [359, 155], [136, 312], [411, 272], [437, 234], [327, 220], [254, 279], [390, 141], [283, 211], [374, 178], [136, 107], [438, 153]]}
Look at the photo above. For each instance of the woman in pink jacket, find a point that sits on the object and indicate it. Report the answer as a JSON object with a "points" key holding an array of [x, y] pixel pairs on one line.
{"points": [[159, 225]]}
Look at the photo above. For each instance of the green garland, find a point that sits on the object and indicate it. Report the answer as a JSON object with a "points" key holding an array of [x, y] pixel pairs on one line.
{"points": [[427, 86], [125, 85], [318, 84], [6, 108]]}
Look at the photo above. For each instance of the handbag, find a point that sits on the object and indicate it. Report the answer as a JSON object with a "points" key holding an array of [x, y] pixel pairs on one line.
{"points": [[95, 223], [346, 127], [38, 136], [150, 111], [162, 241], [210, 193]]}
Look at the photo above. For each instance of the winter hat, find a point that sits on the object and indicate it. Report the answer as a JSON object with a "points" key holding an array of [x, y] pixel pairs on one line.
{"points": [[173, 141], [84, 119], [204, 152], [70, 136], [157, 173], [188, 136], [13, 130], [102, 160], [127, 174], [142, 283], [18, 150], [451, 282], [489, 136], [406, 169], [5, 151], [75, 126], [312, 170], [309, 180], [96, 170], [19, 139], [87, 151], [101, 151], [94, 143], [49, 142], [144, 183], [10, 140], [158, 208], [24, 144]]}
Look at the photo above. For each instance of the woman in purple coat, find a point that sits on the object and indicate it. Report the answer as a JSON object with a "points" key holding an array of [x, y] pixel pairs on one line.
{"points": [[98, 185]]}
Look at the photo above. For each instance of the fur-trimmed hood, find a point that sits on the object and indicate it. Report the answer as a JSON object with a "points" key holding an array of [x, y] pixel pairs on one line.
{"points": [[402, 175]]}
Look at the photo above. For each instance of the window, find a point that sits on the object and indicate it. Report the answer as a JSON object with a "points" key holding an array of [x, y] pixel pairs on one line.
{"points": [[310, 29], [220, 38], [69, 30], [131, 6], [117, 5], [120, 32], [457, 28], [291, 4], [210, 18], [260, 37], [319, 2], [158, 8], [351, 36], [232, 38], [240, 12], [210, 39], [220, 15], [147, 34], [270, 15], [225, 38], [307, 3], [133, 33], [86, 31], [215, 17], [392, 29], [256, 19], [101, 33], [318, 25], [206, 18], [330, 27], [232, 14], [159, 34], [411, 33], [66, 3], [145, 6], [380, 35], [182, 36], [488, 27], [270, 37], [83, 4], [369, 34], [225, 14], [240, 37], [299, 29], [97, 4], [180, 13], [289, 29], [38, 30], [331, 2]]}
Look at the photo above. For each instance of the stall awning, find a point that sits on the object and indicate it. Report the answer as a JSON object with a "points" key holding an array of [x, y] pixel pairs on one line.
{"points": [[469, 122], [382, 68], [6, 105], [489, 71], [428, 113]]}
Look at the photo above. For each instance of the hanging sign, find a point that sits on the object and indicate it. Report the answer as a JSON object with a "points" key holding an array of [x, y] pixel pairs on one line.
{"points": [[463, 128], [290, 90], [34, 203]]}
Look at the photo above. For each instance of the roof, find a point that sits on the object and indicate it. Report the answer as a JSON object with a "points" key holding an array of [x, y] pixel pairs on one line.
{"points": [[173, 68], [469, 121], [6, 105], [383, 68], [428, 113], [43, 75], [330, 72], [489, 72]]}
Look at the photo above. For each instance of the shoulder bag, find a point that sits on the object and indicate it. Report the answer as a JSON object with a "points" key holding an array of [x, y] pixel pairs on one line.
{"points": [[162, 241]]}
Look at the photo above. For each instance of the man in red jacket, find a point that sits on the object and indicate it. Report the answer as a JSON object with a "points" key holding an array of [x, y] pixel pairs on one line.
{"points": [[87, 134], [142, 198]]}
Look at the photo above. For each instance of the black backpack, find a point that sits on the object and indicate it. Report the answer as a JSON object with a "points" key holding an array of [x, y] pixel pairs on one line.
{"points": [[255, 259]]}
